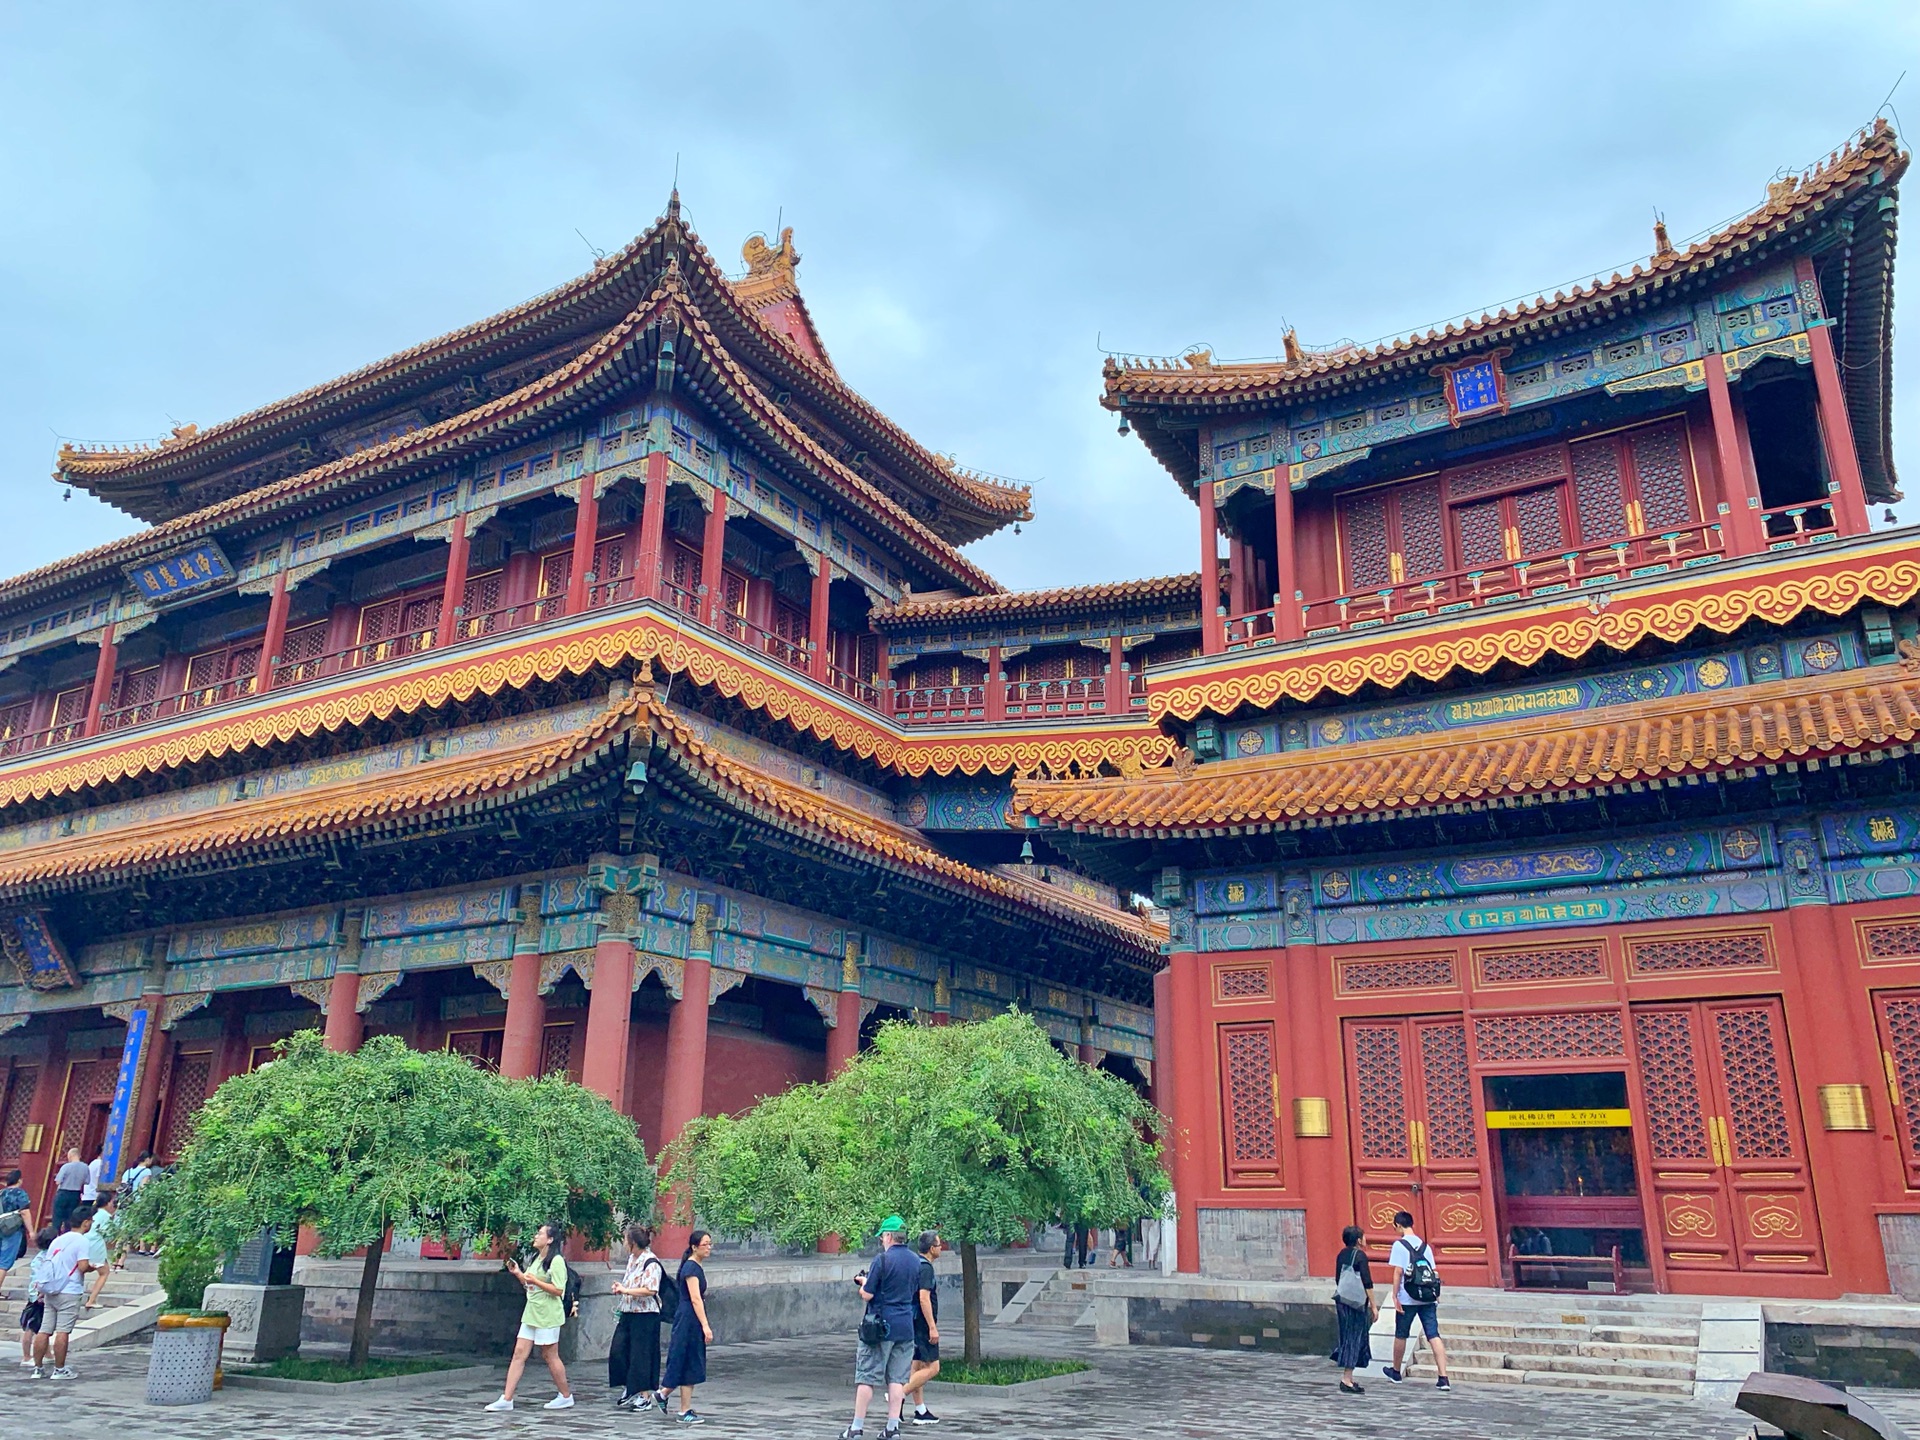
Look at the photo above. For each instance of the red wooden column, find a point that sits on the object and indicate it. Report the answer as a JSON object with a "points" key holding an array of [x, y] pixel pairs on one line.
{"points": [[996, 684], [1844, 485], [453, 594], [1161, 1084], [1116, 677], [843, 1037], [1736, 489], [526, 1019], [102, 681], [822, 654], [1213, 630], [609, 1007], [683, 1087], [1286, 569], [586, 525], [653, 527], [275, 639], [344, 1026], [713, 546], [1185, 1052]]}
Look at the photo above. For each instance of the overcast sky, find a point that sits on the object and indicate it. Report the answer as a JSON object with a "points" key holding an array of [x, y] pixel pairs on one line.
{"points": [[204, 208]]}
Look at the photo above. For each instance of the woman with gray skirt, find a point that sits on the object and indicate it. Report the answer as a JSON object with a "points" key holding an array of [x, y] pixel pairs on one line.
{"points": [[1353, 1302]]}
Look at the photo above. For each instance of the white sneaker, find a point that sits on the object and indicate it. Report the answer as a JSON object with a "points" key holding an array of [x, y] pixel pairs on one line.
{"points": [[559, 1402], [61, 1373], [36, 1373], [501, 1404]]}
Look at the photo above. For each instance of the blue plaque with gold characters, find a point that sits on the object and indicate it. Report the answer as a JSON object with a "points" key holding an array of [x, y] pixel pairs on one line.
{"points": [[185, 572], [1475, 387]]}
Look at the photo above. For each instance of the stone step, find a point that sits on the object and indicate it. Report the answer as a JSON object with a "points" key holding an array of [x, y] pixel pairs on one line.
{"points": [[1591, 1334], [1571, 1364], [1467, 1375], [1623, 1354]]}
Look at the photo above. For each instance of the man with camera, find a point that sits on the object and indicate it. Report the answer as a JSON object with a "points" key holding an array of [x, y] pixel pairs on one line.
{"points": [[886, 1330]]}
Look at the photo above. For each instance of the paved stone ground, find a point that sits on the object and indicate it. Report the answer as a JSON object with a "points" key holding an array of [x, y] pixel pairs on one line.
{"points": [[787, 1389]]}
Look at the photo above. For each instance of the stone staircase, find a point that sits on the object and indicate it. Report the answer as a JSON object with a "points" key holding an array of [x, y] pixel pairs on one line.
{"points": [[1058, 1303], [130, 1301], [1642, 1345]]}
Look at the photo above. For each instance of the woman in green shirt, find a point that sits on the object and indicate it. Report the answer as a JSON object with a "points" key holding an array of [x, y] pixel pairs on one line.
{"points": [[546, 1284]]}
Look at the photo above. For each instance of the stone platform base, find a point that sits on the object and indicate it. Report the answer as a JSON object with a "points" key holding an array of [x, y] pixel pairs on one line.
{"points": [[264, 1323]]}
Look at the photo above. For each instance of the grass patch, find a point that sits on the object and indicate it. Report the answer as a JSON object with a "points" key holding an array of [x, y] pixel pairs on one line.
{"points": [[337, 1372], [1007, 1371]]}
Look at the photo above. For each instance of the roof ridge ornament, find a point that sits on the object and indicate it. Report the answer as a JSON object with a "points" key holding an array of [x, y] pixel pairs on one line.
{"points": [[770, 264]]}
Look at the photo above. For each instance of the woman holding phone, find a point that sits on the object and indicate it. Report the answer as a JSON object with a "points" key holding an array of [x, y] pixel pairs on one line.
{"points": [[541, 1321]]}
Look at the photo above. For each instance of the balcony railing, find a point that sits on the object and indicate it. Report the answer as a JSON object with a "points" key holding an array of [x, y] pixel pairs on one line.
{"points": [[1051, 699], [940, 704], [1789, 525], [1024, 700], [1502, 584]]}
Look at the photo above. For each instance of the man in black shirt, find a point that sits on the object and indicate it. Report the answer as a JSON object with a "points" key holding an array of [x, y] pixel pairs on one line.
{"points": [[926, 1327]]}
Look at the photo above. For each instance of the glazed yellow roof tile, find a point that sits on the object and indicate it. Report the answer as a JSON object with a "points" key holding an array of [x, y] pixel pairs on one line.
{"points": [[1016, 603], [1783, 720]]}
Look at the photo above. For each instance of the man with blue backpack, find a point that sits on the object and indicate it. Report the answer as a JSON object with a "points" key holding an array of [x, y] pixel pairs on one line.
{"points": [[1416, 1296]]}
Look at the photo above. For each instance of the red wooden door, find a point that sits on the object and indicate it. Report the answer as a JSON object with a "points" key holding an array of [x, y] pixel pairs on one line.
{"points": [[1416, 1140], [1250, 1104], [1731, 1189], [1511, 527], [1898, 1015]]}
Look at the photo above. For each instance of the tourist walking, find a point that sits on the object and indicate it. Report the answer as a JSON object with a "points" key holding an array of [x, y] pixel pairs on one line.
{"points": [[926, 1327], [687, 1348], [16, 1222], [136, 1175], [1355, 1307], [885, 1356], [36, 1302], [1416, 1296], [542, 1319], [633, 1359], [90, 1192], [67, 1185], [106, 1220], [60, 1286]]}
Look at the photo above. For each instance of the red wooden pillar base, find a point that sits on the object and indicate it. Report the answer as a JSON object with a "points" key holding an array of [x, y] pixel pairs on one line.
{"points": [[683, 1087], [345, 1029], [526, 1018], [609, 1006]]}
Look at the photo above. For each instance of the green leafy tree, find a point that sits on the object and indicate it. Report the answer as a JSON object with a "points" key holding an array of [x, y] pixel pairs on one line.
{"points": [[975, 1130], [424, 1142]]}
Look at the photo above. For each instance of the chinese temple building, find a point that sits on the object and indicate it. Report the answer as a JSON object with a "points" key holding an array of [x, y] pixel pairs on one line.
{"points": [[1522, 780], [1543, 847]]}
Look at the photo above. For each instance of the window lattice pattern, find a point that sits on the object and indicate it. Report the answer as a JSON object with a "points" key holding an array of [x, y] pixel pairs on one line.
{"points": [[1563, 962], [13, 1125], [309, 642], [1367, 564], [1537, 516], [1383, 1091], [1597, 491], [478, 601], [1423, 536], [1892, 942], [1757, 1110], [1744, 950], [1506, 472], [88, 1082], [1416, 972], [192, 1074], [1660, 465], [1902, 1019], [1676, 1122], [1568, 1035], [1443, 1065], [556, 1050], [1249, 1068], [1247, 982], [1482, 535]]}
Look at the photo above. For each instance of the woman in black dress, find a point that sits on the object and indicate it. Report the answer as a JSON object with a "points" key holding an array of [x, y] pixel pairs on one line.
{"points": [[687, 1350], [1356, 1321]]}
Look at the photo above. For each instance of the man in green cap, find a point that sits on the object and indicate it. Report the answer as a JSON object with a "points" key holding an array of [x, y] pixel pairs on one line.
{"points": [[887, 1357]]}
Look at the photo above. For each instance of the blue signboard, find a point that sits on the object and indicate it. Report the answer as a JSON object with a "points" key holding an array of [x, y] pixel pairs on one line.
{"points": [[123, 1088], [186, 573], [1476, 388]]}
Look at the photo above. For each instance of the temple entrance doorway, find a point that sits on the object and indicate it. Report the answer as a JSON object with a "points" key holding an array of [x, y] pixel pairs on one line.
{"points": [[1566, 1188]]}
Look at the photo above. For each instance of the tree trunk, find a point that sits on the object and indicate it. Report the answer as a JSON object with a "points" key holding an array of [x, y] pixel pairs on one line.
{"points": [[363, 1312], [970, 1300]]}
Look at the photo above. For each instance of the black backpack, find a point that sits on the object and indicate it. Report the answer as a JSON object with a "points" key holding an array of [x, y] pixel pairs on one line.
{"points": [[669, 1296], [569, 1292], [1421, 1280]]}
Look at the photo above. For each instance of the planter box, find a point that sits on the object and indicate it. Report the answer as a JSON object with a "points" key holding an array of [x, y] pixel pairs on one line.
{"points": [[185, 1363]]}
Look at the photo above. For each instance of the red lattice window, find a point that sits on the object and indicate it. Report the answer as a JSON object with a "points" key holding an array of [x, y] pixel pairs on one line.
{"points": [[1483, 538], [1381, 1072], [1423, 531], [1671, 954], [1599, 491], [1662, 476], [1756, 1105], [1363, 526], [482, 1047], [21, 1088], [480, 602], [1246, 1076], [1541, 964], [15, 718], [1900, 1037], [1242, 982], [1898, 940], [1565, 1035], [1407, 972], [69, 710], [1506, 473], [556, 569], [610, 559], [1443, 1069], [1670, 1079], [88, 1083], [186, 1093], [304, 645], [556, 1050], [1539, 522], [131, 701]]}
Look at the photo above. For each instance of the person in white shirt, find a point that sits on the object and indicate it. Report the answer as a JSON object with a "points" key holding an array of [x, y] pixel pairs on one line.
{"points": [[67, 1264], [90, 1192], [1408, 1249]]}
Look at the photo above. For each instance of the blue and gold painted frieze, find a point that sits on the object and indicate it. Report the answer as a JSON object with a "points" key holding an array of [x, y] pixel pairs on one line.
{"points": [[428, 915], [959, 803]]}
